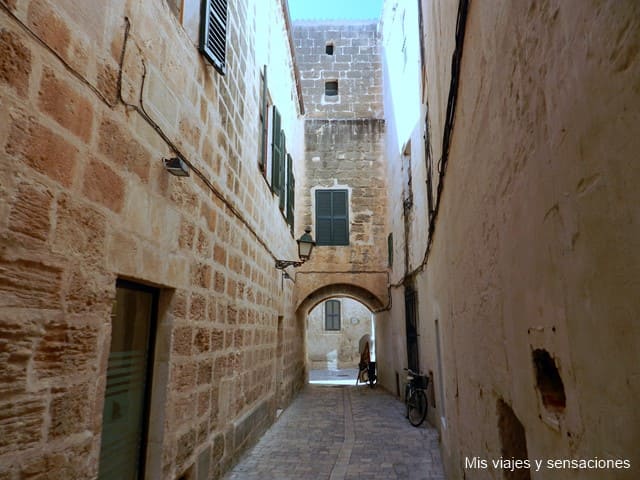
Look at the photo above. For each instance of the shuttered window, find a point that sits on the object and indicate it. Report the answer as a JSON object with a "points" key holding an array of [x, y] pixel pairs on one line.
{"points": [[390, 249], [291, 192], [332, 219], [264, 122], [282, 174], [276, 157], [332, 315], [213, 33]]}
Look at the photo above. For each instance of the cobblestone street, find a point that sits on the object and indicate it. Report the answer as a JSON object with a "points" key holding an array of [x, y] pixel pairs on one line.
{"points": [[343, 432]]}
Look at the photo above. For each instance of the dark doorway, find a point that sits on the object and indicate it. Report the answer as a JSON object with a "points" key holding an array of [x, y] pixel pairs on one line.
{"points": [[411, 316], [126, 403]]}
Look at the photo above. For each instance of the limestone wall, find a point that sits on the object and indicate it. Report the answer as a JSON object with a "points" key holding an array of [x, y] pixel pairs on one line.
{"points": [[93, 96], [354, 63], [344, 150], [527, 292]]}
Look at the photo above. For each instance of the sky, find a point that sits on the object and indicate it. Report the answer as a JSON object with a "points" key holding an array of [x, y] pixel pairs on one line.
{"points": [[334, 9]]}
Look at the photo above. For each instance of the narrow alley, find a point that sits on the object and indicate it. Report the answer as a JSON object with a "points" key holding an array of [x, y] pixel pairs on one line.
{"points": [[343, 432], [205, 203]]}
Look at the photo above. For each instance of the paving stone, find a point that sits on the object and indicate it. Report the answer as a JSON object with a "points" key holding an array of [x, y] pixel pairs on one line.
{"points": [[343, 433]]}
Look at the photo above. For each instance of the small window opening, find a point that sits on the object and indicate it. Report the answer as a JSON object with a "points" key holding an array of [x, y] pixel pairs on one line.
{"points": [[329, 49], [549, 381], [331, 88]]}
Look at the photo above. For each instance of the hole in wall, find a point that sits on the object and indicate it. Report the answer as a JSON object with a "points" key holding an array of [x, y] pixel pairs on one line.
{"points": [[187, 475], [548, 381], [328, 49], [513, 441]]}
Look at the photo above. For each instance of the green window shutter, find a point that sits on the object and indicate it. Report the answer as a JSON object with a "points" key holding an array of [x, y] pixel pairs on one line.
{"points": [[390, 249], [291, 192], [213, 33], [332, 217], [264, 125], [323, 217], [276, 146], [283, 164], [340, 221]]}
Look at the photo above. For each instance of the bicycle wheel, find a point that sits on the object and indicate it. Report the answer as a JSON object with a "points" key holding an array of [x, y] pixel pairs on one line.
{"points": [[417, 407], [408, 392]]}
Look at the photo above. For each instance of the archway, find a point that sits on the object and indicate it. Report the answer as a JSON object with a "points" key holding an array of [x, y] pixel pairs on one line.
{"points": [[349, 290], [338, 320]]}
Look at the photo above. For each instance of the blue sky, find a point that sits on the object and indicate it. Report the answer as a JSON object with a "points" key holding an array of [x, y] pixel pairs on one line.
{"points": [[334, 9]]}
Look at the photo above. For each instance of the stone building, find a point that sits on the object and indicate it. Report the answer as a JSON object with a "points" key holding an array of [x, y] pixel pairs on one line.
{"points": [[344, 186], [468, 172], [511, 152], [143, 324]]}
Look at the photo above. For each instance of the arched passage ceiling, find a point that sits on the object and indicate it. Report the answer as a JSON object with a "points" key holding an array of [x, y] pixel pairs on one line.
{"points": [[355, 292]]}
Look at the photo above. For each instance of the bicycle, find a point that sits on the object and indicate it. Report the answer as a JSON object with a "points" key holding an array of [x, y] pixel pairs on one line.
{"points": [[415, 397]]}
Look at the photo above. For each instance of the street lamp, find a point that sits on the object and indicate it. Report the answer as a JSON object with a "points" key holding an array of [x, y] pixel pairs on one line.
{"points": [[305, 246]]}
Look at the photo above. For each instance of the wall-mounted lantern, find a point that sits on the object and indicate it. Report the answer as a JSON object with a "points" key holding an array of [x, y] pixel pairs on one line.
{"points": [[176, 166], [305, 246]]}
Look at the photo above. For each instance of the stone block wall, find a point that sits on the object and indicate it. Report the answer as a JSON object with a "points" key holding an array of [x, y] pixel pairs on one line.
{"points": [[344, 149], [347, 155], [93, 96], [354, 64]]}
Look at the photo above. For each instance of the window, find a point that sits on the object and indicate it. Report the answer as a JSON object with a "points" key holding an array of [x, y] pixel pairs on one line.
{"points": [[329, 49], [291, 192], [390, 249], [332, 315], [278, 148], [264, 123], [332, 222], [126, 402], [213, 33], [331, 88], [282, 179]]}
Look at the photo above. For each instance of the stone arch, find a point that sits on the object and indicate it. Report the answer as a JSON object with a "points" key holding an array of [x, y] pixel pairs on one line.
{"points": [[355, 292]]}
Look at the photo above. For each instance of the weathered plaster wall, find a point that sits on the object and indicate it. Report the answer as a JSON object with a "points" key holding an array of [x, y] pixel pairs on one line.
{"points": [[337, 349], [536, 233], [84, 200], [413, 140]]}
